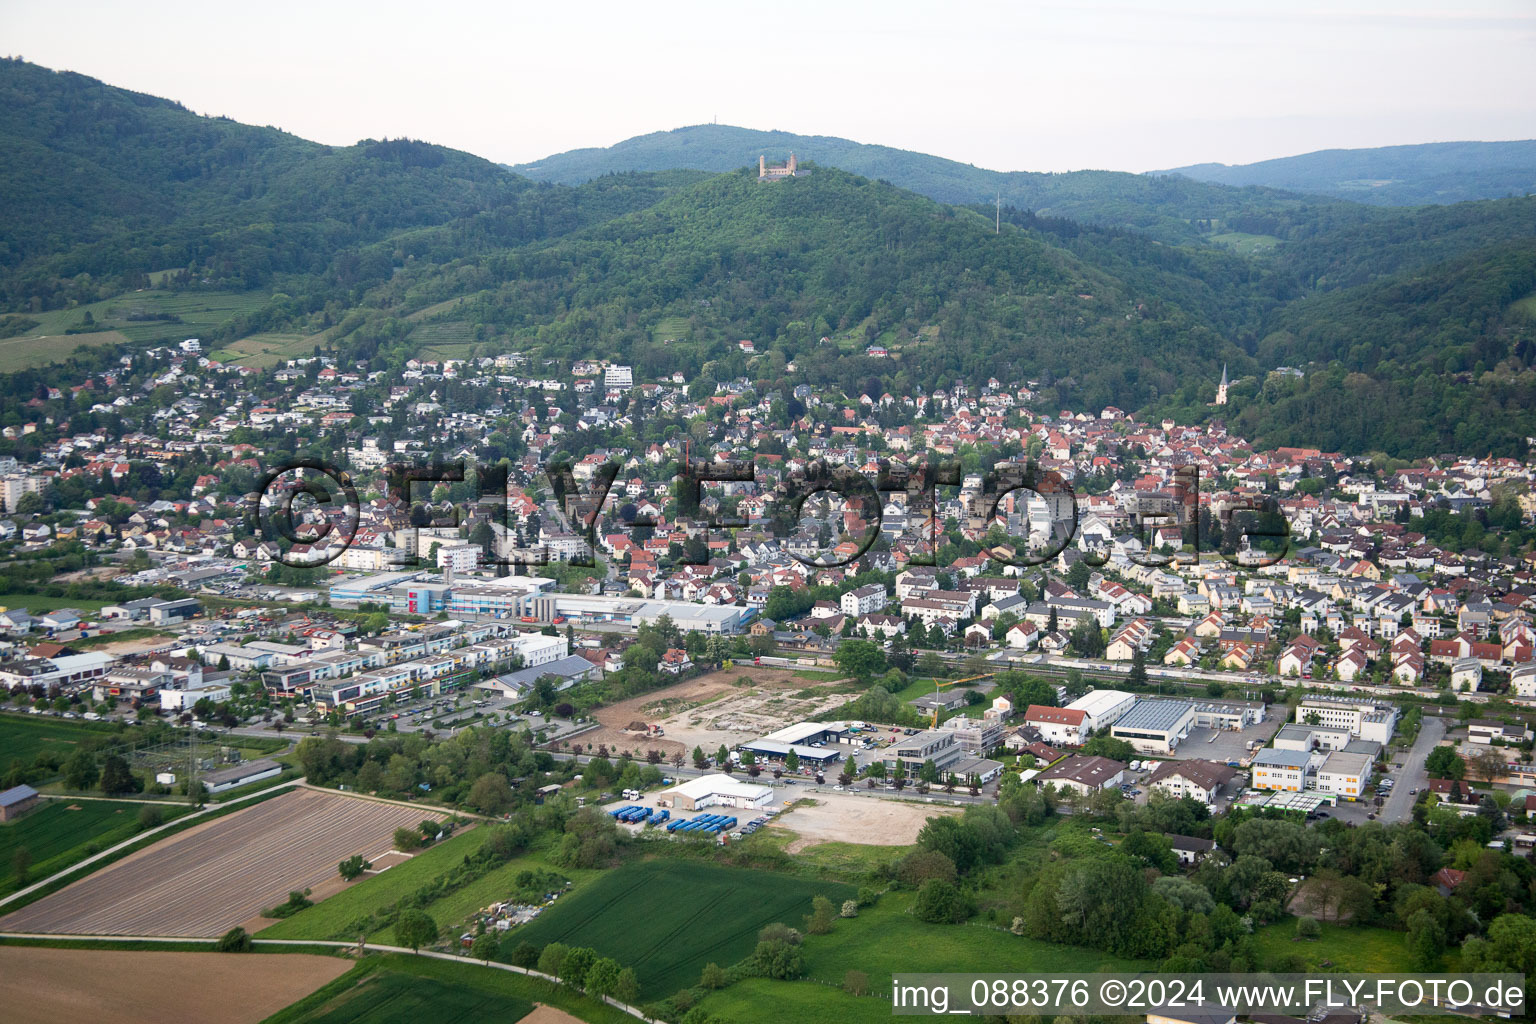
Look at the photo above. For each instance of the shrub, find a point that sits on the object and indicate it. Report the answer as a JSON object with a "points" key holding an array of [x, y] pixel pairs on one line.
{"points": [[1308, 928], [940, 902], [850, 908], [234, 941]]}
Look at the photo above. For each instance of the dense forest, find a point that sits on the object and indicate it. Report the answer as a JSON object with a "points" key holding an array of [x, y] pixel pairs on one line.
{"points": [[1411, 329]]}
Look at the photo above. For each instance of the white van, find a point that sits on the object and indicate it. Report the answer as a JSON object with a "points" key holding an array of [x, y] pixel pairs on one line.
{"points": [[631, 794]]}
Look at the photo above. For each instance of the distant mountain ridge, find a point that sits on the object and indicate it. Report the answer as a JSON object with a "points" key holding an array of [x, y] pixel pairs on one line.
{"points": [[1431, 173], [1171, 208]]}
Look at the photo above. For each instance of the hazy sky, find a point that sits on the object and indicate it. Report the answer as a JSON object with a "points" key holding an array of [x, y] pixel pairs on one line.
{"points": [[1013, 86]]}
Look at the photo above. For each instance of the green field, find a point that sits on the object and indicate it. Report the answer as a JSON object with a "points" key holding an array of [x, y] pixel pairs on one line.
{"points": [[264, 350], [1246, 244], [60, 832], [804, 1002], [494, 887], [140, 317], [667, 919], [28, 351], [885, 939], [397, 989], [329, 918], [38, 604], [675, 327], [24, 736], [1367, 950]]}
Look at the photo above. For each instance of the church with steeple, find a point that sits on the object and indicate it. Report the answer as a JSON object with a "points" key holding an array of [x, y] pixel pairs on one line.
{"points": [[1221, 389]]}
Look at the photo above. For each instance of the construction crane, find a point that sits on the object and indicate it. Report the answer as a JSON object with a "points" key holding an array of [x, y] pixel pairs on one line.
{"points": [[938, 688]]}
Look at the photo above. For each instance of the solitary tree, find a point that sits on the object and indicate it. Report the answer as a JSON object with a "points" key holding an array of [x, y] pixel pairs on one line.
{"points": [[415, 929]]}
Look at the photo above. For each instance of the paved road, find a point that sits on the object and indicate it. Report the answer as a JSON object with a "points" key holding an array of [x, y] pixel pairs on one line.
{"points": [[1399, 805]]}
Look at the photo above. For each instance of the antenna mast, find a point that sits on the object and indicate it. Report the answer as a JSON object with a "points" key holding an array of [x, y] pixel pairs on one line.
{"points": [[997, 228]]}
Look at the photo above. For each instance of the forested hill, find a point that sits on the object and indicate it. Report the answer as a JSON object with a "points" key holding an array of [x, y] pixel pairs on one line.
{"points": [[1414, 326], [1437, 172], [833, 256], [1171, 208], [114, 184]]}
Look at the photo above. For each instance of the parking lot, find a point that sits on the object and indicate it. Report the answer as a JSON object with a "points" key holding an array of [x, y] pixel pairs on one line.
{"points": [[1228, 745]]}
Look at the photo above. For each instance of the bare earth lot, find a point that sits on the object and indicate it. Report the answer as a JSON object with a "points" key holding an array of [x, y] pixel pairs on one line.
{"points": [[210, 878], [840, 817], [50, 986], [713, 709], [549, 1015]]}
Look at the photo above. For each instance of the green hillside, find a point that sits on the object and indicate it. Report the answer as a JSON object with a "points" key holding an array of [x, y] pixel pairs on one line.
{"points": [[1172, 208], [1437, 172], [104, 186], [142, 222]]}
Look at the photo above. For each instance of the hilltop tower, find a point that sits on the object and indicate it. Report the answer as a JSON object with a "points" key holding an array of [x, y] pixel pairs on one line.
{"points": [[1221, 389], [774, 172]]}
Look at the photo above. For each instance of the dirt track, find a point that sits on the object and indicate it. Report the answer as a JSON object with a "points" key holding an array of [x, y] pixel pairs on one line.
{"points": [[52, 986], [206, 880], [713, 709]]}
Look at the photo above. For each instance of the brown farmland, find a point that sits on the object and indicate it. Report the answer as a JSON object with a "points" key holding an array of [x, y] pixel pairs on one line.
{"points": [[208, 879]]}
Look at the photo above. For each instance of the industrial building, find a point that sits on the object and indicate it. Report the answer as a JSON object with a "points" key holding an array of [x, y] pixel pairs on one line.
{"points": [[1155, 726], [1103, 707], [241, 775], [370, 588], [814, 743], [634, 611], [714, 791]]}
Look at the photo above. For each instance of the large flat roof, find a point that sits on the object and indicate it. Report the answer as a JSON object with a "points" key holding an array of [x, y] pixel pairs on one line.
{"points": [[1155, 715], [1272, 758], [1098, 702]]}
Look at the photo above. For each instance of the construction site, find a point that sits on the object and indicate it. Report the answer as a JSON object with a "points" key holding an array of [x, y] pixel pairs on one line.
{"points": [[730, 707]]}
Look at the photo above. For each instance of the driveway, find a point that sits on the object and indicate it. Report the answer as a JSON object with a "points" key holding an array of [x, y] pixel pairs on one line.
{"points": [[1399, 805]]}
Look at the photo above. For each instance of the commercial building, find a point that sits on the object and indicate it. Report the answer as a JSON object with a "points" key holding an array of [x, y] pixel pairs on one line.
{"points": [[814, 743], [1344, 774], [1285, 770], [1155, 726], [1368, 719], [1311, 738], [182, 700], [168, 613], [516, 685], [1084, 774], [934, 745], [370, 588], [633, 612], [718, 790]]}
